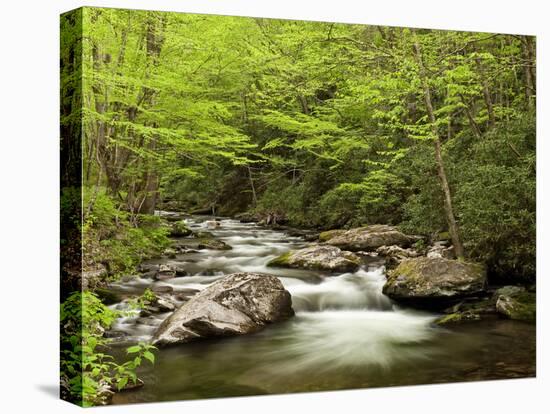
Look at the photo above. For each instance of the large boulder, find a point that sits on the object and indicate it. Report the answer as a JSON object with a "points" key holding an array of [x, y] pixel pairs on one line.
{"points": [[319, 258], [367, 238], [515, 302], [432, 282], [238, 304]]}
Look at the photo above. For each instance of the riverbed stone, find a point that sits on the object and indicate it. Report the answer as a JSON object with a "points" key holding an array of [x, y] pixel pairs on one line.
{"points": [[433, 282], [468, 311], [515, 302], [237, 304], [213, 244], [318, 257], [162, 289], [165, 272], [367, 238]]}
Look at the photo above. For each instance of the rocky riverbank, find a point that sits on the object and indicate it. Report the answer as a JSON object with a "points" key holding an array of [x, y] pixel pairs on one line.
{"points": [[220, 279]]}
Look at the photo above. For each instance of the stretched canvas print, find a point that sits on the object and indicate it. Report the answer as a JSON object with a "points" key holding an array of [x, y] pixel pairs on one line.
{"points": [[253, 206]]}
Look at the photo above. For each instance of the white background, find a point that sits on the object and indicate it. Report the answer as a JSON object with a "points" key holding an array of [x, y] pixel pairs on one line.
{"points": [[29, 205]]}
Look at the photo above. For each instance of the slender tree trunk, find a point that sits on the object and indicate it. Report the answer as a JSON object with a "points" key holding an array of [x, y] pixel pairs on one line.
{"points": [[486, 94], [471, 119], [448, 205], [528, 52], [252, 187]]}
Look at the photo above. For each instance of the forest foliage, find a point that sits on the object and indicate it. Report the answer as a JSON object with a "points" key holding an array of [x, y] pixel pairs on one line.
{"points": [[324, 124]]}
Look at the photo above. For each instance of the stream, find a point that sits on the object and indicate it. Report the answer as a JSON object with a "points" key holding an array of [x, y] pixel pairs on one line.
{"points": [[346, 334]]}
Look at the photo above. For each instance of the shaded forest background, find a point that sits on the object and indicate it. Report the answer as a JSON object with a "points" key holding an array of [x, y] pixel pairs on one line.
{"points": [[317, 125]]}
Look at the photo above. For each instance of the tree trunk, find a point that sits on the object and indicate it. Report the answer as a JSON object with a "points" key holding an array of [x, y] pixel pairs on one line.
{"points": [[448, 205], [528, 52], [486, 94], [253, 188]]}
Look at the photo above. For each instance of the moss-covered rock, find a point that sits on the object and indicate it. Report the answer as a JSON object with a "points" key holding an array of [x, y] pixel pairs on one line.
{"points": [[213, 244], [180, 229], [368, 238], [329, 234], [319, 258], [515, 302], [468, 311], [434, 282], [203, 235]]}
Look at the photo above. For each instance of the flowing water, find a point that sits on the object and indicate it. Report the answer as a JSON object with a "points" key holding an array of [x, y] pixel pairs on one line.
{"points": [[346, 333]]}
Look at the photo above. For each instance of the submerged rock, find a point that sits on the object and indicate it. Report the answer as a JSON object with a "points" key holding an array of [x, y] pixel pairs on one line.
{"points": [[319, 258], [238, 304], [367, 238], [213, 244], [468, 311], [433, 282], [515, 302], [162, 289]]}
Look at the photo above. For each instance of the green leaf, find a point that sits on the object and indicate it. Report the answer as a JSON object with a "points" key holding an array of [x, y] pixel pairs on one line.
{"points": [[133, 349], [122, 383], [150, 356]]}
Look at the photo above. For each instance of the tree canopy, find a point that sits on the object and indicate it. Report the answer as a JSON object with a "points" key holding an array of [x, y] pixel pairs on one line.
{"points": [[327, 125]]}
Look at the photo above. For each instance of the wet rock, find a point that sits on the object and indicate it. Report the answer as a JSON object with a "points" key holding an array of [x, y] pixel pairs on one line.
{"points": [[149, 275], [468, 311], [178, 269], [238, 304], [203, 235], [164, 304], [148, 267], [515, 302], [115, 334], [149, 311], [213, 244], [367, 238], [247, 217], [310, 237], [165, 272], [169, 252], [180, 229], [186, 294], [319, 258], [149, 321], [434, 282], [107, 296], [162, 289], [394, 254]]}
